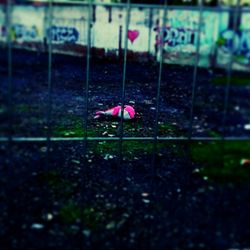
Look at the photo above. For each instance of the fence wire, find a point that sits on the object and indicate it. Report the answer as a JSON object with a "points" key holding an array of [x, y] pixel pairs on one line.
{"points": [[155, 138], [49, 105]]}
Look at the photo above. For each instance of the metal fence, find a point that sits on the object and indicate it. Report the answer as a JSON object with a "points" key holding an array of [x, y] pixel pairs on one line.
{"points": [[121, 138]]}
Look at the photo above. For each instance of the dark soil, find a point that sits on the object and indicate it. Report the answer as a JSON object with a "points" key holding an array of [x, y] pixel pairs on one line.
{"points": [[52, 197]]}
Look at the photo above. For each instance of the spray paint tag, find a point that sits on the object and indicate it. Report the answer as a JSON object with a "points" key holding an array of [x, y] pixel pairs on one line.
{"points": [[133, 35]]}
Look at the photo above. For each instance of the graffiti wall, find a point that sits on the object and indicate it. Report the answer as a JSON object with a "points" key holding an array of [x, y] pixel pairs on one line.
{"points": [[178, 34], [235, 45], [2, 25], [27, 29]]}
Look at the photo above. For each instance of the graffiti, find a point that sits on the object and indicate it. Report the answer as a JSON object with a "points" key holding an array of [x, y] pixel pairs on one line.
{"points": [[237, 42], [133, 35], [63, 34], [23, 32], [176, 36], [3, 31]]}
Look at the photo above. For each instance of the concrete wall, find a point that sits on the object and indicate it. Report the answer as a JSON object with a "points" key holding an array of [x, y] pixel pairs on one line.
{"points": [[69, 33]]}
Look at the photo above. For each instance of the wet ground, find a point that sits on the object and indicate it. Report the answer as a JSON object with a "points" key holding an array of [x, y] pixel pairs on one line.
{"points": [[151, 199]]}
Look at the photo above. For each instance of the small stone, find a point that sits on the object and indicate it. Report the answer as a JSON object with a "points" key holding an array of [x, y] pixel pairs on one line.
{"points": [[201, 245], [108, 156], [36, 199], [210, 71], [2, 110], [37, 226], [121, 223], [43, 149], [146, 201], [145, 194], [126, 215], [148, 102], [111, 225], [75, 161], [74, 228], [132, 234], [205, 178], [197, 170], [49, 217], [247, 127], [86, 232], [201, 190], [128, 179]]}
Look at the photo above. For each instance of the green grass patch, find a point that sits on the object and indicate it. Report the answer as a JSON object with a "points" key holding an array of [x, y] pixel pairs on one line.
{"points": [[70, 213], [166, 129], [235, 80], [59, 186], [132, 149], [92, 217], [26, 108], [129, 148], [220, 161], [213, 133], [73, 127]]}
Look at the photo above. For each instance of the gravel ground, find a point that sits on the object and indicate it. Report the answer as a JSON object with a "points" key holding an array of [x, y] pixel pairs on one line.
{"points": [[52, 199]]}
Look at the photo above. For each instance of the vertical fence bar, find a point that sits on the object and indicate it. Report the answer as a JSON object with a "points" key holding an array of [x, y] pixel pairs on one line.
{"points": [[156, 127], [9, 152], [10, 84], [87, 76], [194, 82], [229, 70], [10, 89], [49, 105], [9, 162], [150, 22], [124, 79]]}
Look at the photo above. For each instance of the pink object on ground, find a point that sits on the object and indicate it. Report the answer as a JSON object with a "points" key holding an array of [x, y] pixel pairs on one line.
{"points": [[245, 162], [129, 112]]}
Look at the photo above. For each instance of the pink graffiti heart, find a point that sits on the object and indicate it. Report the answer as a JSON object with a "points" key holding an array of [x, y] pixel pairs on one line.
{"points": [[132, 35]]}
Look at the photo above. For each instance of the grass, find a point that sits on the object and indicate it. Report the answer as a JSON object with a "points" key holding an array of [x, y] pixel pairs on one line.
{"points": [[60, 187], [70, 213], [130, 148], [73, 127], [235, 80], [26, 108], [92, 216], [109, 149], [221, 161]]}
